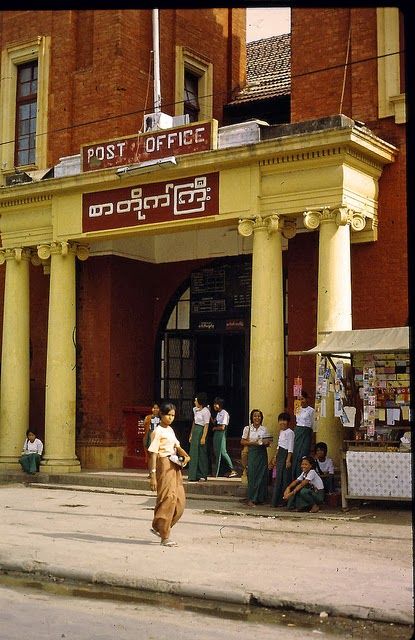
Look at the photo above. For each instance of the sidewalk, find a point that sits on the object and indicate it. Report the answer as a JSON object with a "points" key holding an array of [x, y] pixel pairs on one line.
{"points": [[356, 564]]}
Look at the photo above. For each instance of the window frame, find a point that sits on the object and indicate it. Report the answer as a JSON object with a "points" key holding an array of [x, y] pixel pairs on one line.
{"points": [[203, 70], [21, 101], [13, 56]]}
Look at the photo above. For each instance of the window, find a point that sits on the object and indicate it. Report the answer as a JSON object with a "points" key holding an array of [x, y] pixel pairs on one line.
{"points": [[191, 96], [24, 105], [194, 86], [26, 108]]}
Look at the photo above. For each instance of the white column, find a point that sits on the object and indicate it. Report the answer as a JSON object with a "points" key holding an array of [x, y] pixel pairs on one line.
{"points": [[60, 401], [334, 305], [15, 359], [266, 371]]}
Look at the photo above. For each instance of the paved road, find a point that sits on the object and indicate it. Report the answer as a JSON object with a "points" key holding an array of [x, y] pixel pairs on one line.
{"points": [[356, 564], [33, 615]]}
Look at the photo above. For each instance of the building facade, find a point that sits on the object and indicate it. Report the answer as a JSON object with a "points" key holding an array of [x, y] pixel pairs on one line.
{"points": [[149, 257]]}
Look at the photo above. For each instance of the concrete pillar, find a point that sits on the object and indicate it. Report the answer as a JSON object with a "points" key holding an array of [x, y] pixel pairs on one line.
{"points": [[60, 401], [334, 306], [15, 359], [267, 362]]}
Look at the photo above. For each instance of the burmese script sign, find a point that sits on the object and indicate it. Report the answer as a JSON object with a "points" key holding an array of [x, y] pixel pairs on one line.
{"points": [[149, 146], [151, 203]]}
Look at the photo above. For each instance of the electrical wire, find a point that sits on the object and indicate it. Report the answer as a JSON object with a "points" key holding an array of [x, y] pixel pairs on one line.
{"points": [[212, 95]]}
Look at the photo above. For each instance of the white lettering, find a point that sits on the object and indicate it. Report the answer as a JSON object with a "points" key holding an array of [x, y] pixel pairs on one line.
{"points": [[150, 144], [96, 210], [160, 141], [199, 138], [90, 153], [170, 139], [110, 152], [121, 146], [187, 136]]}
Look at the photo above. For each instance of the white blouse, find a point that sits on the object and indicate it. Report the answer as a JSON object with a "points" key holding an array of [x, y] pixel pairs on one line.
{"points": [[222, 417], [313, 478], [33, 447], [286, 440], [326, 465], [164, 442], [253, 435], [201, 416], [305, 417]]}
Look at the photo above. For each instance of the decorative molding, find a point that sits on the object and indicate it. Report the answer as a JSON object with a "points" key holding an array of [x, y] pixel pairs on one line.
{"points": [[341, 216], [289, 229], [17, 253], [64, 248], [303, 155], [247, 226], [16, 202], [273, 222]]}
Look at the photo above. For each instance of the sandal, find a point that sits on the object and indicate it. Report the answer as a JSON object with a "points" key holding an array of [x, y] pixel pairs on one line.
{"points": [[156, 533], [168, 543]]}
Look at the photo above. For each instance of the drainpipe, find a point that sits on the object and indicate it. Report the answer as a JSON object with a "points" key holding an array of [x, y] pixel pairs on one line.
{"points": [[156, 62]]}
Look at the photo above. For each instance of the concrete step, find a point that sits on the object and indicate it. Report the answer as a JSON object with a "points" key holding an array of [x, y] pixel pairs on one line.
{"points": [[120, 479]]}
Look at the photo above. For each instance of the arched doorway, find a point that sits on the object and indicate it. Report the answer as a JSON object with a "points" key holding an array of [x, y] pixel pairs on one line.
{"points": [[203, 342]]}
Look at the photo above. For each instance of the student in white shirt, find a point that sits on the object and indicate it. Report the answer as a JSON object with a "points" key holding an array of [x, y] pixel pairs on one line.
{"points": [[256, 437], [198, 467], [305, 493], [166, 475], [303, 433], [325, 467], [219, 438], [282, 460], [32, 453]]}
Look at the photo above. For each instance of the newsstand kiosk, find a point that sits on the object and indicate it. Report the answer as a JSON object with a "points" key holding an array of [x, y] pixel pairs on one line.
{"points": [[376, 458]]}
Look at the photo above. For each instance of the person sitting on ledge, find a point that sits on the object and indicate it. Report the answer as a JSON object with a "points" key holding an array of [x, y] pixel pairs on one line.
{"points": [[305, 493], [32, 453]]}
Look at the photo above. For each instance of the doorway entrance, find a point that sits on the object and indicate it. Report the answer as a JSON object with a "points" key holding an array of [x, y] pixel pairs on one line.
{"points": [[220, 371], [204, 343]]}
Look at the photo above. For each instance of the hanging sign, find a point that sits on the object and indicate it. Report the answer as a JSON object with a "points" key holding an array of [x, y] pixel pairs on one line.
{"points": [[298, 387], [151, 203]]}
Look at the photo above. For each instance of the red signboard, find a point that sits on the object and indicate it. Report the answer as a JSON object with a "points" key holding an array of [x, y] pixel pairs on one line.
{"points": [[151, 203], [148, 146]]}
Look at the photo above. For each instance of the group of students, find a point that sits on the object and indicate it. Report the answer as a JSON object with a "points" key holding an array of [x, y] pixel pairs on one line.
{"points": [[300, 480]]}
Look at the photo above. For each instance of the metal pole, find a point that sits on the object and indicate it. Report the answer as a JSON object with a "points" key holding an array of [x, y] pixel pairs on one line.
{"points": [[156, 62]]}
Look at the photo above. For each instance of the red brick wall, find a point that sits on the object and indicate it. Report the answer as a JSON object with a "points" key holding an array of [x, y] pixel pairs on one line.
{"points": [[120, 306], [319, 41], [301, 261], [100, 64]]}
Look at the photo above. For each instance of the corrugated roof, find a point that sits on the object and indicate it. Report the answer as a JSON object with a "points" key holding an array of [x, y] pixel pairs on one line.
{"points": [[268, 69]]}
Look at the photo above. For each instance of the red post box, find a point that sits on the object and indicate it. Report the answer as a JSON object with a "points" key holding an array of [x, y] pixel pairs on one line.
{"points": [[133, 418]]}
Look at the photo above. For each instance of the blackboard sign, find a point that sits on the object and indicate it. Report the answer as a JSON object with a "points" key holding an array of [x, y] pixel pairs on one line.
{"points": [[219, 293]]}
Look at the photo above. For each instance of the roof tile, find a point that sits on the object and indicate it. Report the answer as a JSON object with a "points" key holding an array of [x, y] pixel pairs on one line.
{"points": [[268, 69]]}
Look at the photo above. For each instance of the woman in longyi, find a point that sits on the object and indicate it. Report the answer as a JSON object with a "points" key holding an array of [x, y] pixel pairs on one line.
{"points": [[166, 475]]}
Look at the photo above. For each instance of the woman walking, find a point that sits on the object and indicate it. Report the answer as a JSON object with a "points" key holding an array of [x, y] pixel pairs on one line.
{"points": [[256, 437], [219, 438], [198, 467], [166, 475]]}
